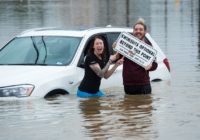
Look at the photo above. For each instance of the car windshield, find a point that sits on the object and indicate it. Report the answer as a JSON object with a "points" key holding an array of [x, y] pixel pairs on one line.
{"points": [[40, 50]]}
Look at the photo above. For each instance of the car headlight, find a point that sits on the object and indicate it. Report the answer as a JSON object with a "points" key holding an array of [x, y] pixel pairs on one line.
{"points": [[17, 91]]}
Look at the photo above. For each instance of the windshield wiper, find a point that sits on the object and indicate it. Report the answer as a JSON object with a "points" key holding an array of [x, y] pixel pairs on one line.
{"points": [[45, 46], [36, 49]]}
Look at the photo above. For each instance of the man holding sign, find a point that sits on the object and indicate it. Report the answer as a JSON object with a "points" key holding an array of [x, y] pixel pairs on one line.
{"points": [[138, 61]]}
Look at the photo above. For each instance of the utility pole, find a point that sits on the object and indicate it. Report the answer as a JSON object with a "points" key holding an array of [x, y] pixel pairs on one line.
{"points": [[127, 13]]}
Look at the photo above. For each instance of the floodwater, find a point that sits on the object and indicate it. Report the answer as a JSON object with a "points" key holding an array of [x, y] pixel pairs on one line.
{"points": [[172, 111]]}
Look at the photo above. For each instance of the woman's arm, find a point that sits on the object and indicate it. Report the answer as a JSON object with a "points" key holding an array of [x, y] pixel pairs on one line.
{"points": [[97, 69], [105, 72], [110, 72]]}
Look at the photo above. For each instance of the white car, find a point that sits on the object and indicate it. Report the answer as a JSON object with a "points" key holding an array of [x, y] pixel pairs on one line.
{"points": [[49, 61]]}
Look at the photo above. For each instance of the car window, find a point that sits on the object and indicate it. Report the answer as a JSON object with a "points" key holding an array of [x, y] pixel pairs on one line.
{"points": [[48, 50], [61, 50], [17, 50], [87, 47], [112, 37]]}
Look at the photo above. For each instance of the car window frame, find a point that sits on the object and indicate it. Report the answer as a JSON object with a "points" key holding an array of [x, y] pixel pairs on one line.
{"points": [[86, 48]]}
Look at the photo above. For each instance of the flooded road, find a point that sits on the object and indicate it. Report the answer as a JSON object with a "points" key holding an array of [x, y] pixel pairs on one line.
{"points": [[172, 111]]}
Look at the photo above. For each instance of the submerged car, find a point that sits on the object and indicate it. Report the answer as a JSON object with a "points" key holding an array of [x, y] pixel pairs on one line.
{"points": [[49, 61]]}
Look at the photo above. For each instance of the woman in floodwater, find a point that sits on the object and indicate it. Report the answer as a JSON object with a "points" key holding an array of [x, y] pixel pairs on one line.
{"points": [[96, 68]]}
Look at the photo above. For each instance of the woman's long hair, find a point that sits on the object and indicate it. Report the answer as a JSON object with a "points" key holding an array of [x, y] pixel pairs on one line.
{"points": [[91, 49]]}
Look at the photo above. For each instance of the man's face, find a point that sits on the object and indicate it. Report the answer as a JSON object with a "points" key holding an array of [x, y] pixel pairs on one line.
{"points": [[139, 31]]}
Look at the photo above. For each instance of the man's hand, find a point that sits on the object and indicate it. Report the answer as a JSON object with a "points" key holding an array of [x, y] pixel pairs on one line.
{"points": [[148, 67], [114, 44]]}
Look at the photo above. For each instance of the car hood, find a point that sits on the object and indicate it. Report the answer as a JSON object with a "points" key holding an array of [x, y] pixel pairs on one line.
{"points": [[14, 75]]}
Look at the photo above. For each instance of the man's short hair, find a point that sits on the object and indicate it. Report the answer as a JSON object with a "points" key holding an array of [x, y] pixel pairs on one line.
{"points": [[141, 22]]}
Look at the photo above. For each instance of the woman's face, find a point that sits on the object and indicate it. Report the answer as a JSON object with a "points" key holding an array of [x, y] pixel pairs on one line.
{"points": [[98, 46]]}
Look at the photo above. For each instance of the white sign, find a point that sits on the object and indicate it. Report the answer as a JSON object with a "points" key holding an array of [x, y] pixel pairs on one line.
{"points": [[135, 49]]}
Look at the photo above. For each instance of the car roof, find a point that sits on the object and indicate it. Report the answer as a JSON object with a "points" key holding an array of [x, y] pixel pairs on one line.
{"points": [[54, 31]]}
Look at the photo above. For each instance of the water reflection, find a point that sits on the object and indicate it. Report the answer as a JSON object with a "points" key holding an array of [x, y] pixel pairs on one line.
{"points": [[91, 111], [199, 30], [114, 117]]}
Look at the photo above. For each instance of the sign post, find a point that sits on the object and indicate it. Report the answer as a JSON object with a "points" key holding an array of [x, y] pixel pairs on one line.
{"points": [[135, 49]]}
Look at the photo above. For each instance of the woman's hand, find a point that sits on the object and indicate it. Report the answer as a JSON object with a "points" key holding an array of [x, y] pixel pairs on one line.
{"points": [[112, 58], [120, 61]]}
